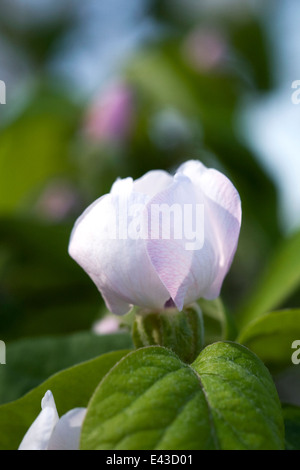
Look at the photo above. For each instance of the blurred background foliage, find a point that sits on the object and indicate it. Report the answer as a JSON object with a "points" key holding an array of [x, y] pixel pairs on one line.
{"points": [[106, 90]]}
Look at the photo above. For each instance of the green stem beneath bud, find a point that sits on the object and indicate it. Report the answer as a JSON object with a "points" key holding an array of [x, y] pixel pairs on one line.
{"points": [[182, 332]]}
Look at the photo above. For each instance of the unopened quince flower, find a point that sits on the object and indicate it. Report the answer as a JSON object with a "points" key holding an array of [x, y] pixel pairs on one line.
{"points": [[110, 118], [161, 240], [49, 432]]}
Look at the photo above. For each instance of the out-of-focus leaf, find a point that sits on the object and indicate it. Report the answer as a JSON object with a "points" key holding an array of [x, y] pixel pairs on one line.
{"points": [[280, 279], [71, 388], [43, 291], [291, 416], [271, 336], [249, 41], [287, 380], [30, 361], [37, 39], [168, 88], [151, 400], [218, 323], [34, 148]]}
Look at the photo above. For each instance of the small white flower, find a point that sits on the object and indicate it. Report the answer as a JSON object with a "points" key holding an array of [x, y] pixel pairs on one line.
{"points": [[49, 432]]}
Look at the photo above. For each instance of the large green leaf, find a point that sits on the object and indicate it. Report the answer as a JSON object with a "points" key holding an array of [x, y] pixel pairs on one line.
{"points": [[71, 388], [279, 280], [30, 361], [152, 400], [271, 336]]}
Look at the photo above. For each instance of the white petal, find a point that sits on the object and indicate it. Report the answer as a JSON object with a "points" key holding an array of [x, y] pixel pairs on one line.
{"points": [[106, 243], [223, 212], [191, 167], [153, 182], [183, 271], [66, 434], [39, 433]]}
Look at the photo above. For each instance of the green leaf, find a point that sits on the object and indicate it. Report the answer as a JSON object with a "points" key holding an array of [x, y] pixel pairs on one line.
{"points": [[243, 398], [71, 388], [279, 280], [271, 336], [30, 361], [152, 400], [291, 416]]}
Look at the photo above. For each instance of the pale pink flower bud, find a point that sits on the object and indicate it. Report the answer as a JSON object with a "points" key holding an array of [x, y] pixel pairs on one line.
{"points": [[205, 49], [110, 117], [160, 240]]}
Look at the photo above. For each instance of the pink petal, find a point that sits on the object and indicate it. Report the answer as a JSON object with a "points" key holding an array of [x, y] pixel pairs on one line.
{"points": [[106, 325], [153, 182], [191, 274], [116, 262], [172, 261], [224, 213]]}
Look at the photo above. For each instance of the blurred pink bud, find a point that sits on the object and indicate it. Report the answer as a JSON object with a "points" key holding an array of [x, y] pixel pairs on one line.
{"points": [[121, 244], [205, 49], [110, 116], [106, 325], [58, 200]]}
